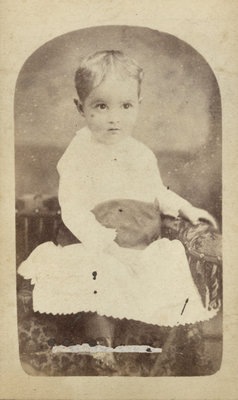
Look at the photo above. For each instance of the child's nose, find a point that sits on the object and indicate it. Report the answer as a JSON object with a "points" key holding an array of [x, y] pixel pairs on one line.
{"points": [[114, 121], [113, 117]]}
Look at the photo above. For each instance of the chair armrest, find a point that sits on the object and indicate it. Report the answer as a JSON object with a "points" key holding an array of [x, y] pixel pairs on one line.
{"points": [[203, 246]]}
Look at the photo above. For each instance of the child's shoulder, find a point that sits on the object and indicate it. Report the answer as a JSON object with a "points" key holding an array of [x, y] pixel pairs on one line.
{"points": [[141, 148], [78, 145], [80, 139], [82, 134]]}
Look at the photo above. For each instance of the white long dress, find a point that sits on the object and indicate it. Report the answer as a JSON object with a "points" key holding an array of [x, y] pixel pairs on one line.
{"points": [[153, 285]]}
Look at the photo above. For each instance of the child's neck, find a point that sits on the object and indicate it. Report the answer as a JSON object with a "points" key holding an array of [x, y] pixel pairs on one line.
{"points": [[110, 145]]}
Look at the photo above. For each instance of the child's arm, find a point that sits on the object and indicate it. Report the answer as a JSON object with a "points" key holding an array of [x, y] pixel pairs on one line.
{"points": [[76, 203], [173, 204]]}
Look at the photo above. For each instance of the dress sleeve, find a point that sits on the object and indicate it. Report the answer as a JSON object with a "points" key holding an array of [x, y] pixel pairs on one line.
{"points": [[170, 202], [76, 202]]}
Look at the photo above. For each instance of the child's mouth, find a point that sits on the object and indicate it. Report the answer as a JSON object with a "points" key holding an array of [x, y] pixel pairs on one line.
{"points": [[114, 130]]}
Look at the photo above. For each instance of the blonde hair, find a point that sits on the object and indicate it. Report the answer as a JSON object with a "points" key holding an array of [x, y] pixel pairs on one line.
{"points": [[94, 69]]}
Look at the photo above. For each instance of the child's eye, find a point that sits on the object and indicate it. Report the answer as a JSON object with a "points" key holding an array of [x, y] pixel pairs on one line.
{"points": [[127, 105], [101, 106]]}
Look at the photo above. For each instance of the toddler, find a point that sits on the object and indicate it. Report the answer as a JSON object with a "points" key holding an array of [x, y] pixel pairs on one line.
{"points": [[148, 281]]}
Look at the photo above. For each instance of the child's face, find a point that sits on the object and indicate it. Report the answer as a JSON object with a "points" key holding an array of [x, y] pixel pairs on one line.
{"points": [[111, 109]]}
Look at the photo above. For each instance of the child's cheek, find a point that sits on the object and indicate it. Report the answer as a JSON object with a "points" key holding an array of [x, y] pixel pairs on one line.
{"points": [[94, 121]]}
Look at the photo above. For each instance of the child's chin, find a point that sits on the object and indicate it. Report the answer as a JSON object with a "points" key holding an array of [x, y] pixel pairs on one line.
{"points": [[114, 138]]}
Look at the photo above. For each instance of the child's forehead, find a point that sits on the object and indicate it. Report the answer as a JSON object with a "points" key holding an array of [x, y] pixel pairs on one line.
{"points": [[115, 86]]}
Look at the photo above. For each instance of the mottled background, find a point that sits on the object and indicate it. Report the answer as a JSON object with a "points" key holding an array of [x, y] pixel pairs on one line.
{"points": [[180, 118]]}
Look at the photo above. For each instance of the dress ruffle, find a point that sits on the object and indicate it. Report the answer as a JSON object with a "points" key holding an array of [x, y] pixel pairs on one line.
{"points": [[152, 285]]}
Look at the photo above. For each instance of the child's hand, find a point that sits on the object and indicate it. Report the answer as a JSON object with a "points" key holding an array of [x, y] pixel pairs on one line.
{"points": [[196, 214]]}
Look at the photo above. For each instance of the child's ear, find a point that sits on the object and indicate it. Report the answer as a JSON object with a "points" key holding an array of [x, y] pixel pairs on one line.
{"points": [[79, 107]]}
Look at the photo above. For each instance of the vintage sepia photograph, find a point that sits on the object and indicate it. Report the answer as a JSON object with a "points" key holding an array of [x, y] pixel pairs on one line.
{"points": [[118, 183]]}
